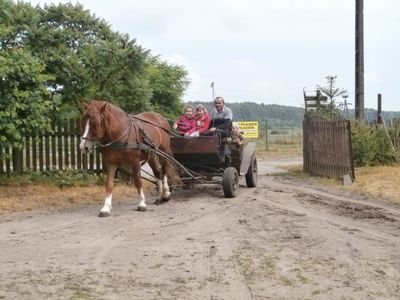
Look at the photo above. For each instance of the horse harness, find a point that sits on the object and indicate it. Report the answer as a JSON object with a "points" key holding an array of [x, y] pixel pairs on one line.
{"points": [[146, 145]]}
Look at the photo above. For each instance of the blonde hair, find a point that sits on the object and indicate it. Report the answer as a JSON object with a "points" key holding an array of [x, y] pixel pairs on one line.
{"points": [[202, 107], [235, 125]]}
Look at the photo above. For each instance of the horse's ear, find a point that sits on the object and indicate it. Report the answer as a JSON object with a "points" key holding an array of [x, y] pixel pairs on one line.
{"points": [[104, 107], [83, 104]]}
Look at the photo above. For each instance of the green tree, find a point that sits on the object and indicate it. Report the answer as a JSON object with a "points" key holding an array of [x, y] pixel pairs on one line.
{"points": [[69, 55], [331, 91], [25, 104], [168, 83], [88, 59]]}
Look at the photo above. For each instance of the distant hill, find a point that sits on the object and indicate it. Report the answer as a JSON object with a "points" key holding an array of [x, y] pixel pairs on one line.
{"points": [[371, 115], [281, 116], [278, 116]]}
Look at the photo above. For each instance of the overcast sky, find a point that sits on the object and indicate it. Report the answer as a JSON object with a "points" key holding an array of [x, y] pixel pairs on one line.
{"points": [[265, 51]]}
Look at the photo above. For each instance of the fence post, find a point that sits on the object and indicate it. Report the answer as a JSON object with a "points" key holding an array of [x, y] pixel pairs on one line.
{"points": [[266, 134], [292, 136]]}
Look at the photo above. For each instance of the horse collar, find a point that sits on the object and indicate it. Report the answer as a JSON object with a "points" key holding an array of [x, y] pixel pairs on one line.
{"points": [[127, 130]]}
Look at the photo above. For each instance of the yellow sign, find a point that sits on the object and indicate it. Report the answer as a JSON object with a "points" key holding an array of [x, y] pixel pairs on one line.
{"points": [[249, 129]]}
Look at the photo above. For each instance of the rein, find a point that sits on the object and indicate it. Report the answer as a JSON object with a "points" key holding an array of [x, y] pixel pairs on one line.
{"points": [[128, 129], [151, 123], [148, 143]]}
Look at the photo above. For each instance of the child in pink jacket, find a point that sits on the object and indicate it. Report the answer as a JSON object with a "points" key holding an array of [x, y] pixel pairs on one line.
{"points": [[202, 122], [186, 122]]}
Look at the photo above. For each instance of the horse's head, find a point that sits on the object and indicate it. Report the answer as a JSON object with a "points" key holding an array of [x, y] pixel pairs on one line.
{"points": [[92, 124]]}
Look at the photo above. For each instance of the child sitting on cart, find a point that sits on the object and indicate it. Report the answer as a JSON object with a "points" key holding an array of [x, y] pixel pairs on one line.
{"points": [[236, 136], [202, 122], [186, 122]]}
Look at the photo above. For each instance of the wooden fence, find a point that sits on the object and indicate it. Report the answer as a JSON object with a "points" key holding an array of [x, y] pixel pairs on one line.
{"points": [[56, 150], [327, 147], [394, 130]]}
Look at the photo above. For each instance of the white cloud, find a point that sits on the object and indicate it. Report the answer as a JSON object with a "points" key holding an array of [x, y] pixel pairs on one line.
{"points": [[265, 50]]}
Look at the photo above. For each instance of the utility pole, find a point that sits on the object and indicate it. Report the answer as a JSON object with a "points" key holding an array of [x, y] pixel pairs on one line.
{"points": [[359, 39], [345, 104], [213, 91], [379, 117]]}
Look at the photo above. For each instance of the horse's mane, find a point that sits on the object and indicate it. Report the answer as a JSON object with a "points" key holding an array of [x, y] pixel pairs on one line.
{"points": [[113, 115], [106, 117]]}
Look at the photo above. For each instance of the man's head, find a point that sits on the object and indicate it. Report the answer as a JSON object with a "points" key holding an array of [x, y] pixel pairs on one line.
{"points": [[219, 103]]}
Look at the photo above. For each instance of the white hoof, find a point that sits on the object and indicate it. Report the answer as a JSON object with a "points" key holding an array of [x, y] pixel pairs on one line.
{"points": [[165, 198], [142, 208], [166, 195], [104, 214]]}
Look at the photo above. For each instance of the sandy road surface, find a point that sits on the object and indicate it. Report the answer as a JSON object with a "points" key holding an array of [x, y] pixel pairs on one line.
{"points": [[286, 239]]}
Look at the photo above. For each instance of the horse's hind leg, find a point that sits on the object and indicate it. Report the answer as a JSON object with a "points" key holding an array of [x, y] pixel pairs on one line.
{"points": [[156, 168], [166, 194], [106, 210], [137, 180], [165, 166]]}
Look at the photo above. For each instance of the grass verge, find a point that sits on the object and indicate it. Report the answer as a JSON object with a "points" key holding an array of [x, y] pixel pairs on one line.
{"points": [[378, 181], [58, 190]]}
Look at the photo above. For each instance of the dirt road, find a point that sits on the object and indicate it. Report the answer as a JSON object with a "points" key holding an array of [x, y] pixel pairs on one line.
{"points": [[286, 239]]}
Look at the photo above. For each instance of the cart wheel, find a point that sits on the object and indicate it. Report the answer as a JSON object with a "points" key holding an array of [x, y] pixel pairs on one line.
{"points": [[252, 173], [230, 182]]}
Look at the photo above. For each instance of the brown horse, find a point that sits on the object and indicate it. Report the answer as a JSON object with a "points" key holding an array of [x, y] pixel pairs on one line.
{"points": [[127, 140]]}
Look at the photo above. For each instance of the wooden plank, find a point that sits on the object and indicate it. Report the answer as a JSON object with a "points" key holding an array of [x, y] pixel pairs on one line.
{"points": [[84, 161], [47, 150], [53, 146], [41, 153], [28, 153], [91, 162], [193, 145], [72, 149], [98, 162], [8, 162], [78, 139], [1, 161], [16, 160], [34, 153], [60, 145], [66, 142]]}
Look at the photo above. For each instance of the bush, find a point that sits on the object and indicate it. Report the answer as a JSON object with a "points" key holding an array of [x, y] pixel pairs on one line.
{"points": [[371, 145], [62, 179]]}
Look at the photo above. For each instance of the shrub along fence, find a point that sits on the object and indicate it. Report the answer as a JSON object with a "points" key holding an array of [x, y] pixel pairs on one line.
{"points": [[49, 151], [394, 131], [327, 147]]}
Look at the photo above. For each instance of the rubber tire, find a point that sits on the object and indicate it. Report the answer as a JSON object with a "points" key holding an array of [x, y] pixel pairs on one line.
{"points": [[230, 182], [252, 173]]}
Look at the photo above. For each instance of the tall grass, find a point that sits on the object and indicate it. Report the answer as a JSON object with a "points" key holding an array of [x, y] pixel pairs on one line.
{"points": [[284, 140]]}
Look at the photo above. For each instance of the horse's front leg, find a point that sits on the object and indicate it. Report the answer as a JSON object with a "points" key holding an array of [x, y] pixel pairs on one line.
{"points": [[137, 180], [106, 210]]}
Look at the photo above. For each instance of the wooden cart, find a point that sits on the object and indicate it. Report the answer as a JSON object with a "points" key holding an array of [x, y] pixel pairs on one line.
{"points": [[209, 159]]}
